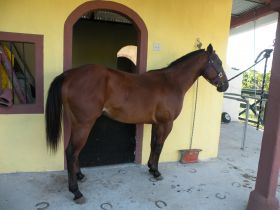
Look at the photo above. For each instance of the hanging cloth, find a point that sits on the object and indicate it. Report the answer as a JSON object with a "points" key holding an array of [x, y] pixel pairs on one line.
{"points": [[6, 86], [5, 82]]}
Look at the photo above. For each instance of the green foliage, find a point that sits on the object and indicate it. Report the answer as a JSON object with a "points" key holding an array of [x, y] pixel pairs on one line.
{"points": [[253, 79]]}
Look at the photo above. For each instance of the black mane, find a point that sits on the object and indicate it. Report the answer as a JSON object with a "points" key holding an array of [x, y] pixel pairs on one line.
{"points": [[187, 56]]}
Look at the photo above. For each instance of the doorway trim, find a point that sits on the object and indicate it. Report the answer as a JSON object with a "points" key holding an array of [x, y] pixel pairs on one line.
{"points": [[142, 43]]}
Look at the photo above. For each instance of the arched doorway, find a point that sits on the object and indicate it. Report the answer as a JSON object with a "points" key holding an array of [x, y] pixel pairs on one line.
{"points": [[141, 50]]}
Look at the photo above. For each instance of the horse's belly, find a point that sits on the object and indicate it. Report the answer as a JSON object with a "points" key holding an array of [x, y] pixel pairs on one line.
{"points": [[129, 116]]}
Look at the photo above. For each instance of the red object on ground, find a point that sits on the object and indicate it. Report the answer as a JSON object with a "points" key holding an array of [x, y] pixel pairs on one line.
{"points": [[189, 155]]}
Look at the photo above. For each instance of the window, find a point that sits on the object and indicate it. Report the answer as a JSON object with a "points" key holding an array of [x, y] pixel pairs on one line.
{"points": [[21, 73]]}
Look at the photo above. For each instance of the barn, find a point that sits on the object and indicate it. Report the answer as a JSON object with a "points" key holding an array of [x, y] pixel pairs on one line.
{"points": [[39, 40], [47, 38]]}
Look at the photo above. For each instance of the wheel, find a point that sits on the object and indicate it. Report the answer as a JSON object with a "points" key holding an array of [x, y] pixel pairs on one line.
{"points": [[226, 117]]}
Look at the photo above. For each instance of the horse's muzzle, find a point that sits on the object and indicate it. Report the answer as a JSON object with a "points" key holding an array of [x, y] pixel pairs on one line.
{"points": [[222, 87]]}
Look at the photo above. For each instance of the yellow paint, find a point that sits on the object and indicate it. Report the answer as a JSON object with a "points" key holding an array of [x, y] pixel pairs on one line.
{"points": [[173, 24]]}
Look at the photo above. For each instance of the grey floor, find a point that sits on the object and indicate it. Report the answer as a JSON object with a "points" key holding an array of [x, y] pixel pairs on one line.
{"points": [[217, 184]]}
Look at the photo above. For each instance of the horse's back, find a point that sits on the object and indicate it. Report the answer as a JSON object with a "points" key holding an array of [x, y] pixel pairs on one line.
{"points": [[136, 98], [126, 97]]}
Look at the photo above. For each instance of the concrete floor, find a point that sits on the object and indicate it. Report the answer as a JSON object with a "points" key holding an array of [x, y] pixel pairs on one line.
{"points": [[218, 184]]}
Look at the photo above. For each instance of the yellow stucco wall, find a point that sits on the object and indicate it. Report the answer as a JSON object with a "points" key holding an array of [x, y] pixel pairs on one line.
{"points": [[175, 24]]}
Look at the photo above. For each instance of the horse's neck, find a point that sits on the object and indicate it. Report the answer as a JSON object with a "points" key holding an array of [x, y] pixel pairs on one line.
{"points": [[186, 73]]}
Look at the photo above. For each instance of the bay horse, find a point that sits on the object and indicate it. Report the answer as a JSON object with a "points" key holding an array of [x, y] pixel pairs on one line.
{"points": [[156, 97]]}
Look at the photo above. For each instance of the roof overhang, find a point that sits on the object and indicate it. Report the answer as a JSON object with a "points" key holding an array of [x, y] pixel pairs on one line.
{"points": [[244, 11]]}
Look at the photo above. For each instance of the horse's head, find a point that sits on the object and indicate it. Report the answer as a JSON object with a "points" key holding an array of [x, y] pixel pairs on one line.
{"points": [[214, 72]]}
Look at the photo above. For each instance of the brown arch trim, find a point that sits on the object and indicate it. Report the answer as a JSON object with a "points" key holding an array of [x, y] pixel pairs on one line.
{"points": [[141, 51]]}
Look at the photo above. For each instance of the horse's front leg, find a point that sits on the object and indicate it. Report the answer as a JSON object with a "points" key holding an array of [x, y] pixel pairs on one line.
{"points": [[153, 143], [159, 134]]}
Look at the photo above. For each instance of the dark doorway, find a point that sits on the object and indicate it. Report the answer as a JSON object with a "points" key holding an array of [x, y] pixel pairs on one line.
{"points": [[142, 44], [97, 37], [109, 142]]}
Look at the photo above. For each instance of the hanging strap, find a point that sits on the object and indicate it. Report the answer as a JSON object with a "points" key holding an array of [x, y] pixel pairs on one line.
{"points": [[266, 54]]}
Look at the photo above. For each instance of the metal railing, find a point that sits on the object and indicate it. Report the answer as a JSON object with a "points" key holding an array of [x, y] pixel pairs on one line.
{"points": [[245, 100]]}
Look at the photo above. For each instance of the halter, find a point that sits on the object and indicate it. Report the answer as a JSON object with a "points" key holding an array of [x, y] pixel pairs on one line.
{"points": [[217, 68]]}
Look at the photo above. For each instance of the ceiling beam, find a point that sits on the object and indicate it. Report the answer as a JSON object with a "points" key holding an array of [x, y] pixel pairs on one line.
{"points": [[275, 5], [251, 16]]}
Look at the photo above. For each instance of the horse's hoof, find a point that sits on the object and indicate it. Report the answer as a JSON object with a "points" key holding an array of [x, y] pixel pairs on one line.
{"points": [[158, 178], [80, 200], [81, 177], [78, 197], [156, 174]]}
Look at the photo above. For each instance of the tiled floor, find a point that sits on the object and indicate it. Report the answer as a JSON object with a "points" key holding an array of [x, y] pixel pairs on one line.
{"points": [[218, 184]]}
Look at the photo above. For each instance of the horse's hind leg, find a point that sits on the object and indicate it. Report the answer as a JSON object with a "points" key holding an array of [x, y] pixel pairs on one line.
{"points": [[72, 179], [159, 134], [80, 176], [78, 139]]}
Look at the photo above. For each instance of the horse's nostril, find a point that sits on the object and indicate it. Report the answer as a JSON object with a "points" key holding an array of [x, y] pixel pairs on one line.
{"points": [[223, 87]]}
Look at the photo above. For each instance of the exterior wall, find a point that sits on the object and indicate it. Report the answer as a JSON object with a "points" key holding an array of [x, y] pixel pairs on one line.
{"points": [[175, 25]]}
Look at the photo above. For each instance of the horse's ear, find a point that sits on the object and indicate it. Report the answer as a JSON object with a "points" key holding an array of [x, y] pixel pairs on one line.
{"points": [[210, 49]]}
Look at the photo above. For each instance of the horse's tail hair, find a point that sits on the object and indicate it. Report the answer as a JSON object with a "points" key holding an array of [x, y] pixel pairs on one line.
{"points": [[54, 113]]}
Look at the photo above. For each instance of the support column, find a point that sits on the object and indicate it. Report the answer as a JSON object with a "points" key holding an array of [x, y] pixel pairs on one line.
{"points": [[263, 196]]}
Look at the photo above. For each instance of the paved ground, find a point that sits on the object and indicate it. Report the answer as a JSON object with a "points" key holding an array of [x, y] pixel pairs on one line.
{"points": [[219, 184]]}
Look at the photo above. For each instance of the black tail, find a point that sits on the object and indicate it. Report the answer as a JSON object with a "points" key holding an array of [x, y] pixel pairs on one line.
{"points": [[54, 113]]}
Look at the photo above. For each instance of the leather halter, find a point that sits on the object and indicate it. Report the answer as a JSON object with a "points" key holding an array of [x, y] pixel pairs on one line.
{"points": [[212, 64]]}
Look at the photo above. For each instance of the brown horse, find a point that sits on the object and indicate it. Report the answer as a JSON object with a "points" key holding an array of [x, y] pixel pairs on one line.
{"points": [[155, 97]]}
